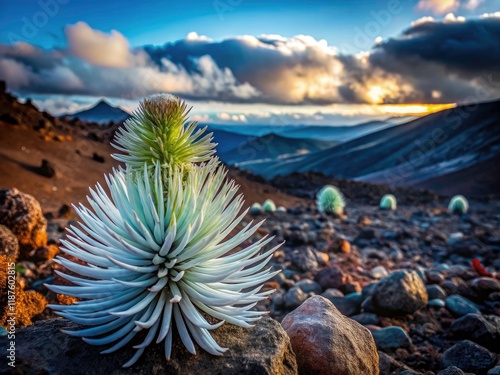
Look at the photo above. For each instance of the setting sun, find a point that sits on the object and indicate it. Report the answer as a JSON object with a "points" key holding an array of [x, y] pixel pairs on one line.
{"points": [[414, 109]]}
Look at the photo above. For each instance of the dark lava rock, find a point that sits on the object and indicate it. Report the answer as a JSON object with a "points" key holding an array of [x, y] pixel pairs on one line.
{"points": [[390, 366], [400, 293], [294, 297], [460, 306], [304, 259], [435, 292], [308, 286], [486, 285], [46, 169], [346, 306], [326, 342], [331, 277], [9, 245], [482, 329], [98, 158], [391, 338], [44, 349], [494, 371], [366, 319], [469, 357], [64, 211]]}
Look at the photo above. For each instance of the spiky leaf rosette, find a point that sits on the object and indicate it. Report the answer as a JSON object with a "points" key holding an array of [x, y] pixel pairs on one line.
{"points": [[156, 259], [157, 133], [330, 200], [458, 205], [388, 202]]}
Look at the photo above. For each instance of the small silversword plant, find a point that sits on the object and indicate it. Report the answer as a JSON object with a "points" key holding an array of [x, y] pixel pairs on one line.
{"points": [[458, 205], [388, 202], [269, 205], [330, 200], [256, 209], [154, 254]]}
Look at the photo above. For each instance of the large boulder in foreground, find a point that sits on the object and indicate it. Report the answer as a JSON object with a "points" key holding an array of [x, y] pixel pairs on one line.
{"points": [[44, 349], [327, 342], [22, 214], [400, 293]]}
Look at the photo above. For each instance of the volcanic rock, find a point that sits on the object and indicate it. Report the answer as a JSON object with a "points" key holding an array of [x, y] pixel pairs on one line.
{"points": [[263, 349], [482, 329], [327, 342], [468, 357], [22, 214], [400, 293], [391, 338]]}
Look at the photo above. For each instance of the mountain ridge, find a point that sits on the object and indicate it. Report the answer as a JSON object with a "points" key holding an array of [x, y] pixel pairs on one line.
{"points": [[407, 154]]}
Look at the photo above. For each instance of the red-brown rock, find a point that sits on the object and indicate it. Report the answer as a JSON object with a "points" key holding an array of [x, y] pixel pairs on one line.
{"points": [[327, 342]]}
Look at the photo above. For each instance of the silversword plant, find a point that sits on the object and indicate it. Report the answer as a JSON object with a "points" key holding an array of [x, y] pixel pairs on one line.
{"points": [[154, 254], [330, 200], [458, 205], [388, 202], [269, 205]]}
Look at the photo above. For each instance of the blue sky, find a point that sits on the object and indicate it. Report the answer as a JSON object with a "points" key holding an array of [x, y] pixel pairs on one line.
{"points": [[157, 22], [331, 59]]}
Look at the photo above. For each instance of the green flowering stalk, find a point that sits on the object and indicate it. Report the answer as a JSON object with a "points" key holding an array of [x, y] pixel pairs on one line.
{"points": [[388, 202], [156, 249], [330, 200], [156, 133]]}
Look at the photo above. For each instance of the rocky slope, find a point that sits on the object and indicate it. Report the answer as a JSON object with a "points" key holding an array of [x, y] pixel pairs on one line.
{"points": [[405, 276], [412, 154]]}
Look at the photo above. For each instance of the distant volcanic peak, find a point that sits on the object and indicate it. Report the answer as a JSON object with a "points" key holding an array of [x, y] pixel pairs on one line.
{"points": [[102, 112], [103, 103]]}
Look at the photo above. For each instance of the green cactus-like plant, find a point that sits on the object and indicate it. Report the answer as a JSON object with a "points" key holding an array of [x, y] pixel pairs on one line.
{"points": [[388, 202], [458, 205], [269, 206], [330, 200], [256, 209], [153, 253]]}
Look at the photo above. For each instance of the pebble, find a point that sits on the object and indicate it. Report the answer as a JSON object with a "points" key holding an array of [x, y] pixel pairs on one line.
{"points": [[436, 303], [308, 286], [435, 292], [482, 329], [455, 238], [366, 319], [304, 259], [434, 277], [460, 306], [345, 305], [294, 298], [469, 357], [331, 277], [486, 285], [391, 338], [332, 292], [402, 292], [379, 272]]}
